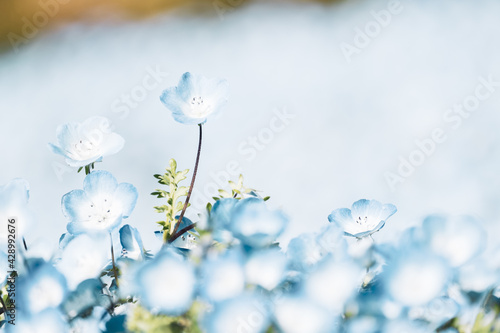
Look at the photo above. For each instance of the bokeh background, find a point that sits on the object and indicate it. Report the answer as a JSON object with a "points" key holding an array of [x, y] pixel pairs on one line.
{"points": [[354, 117]]}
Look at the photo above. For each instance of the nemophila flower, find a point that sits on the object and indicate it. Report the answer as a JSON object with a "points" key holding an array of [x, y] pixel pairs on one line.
{"points": [[254, 224], [219, 220], [363, 219], [246, 313], [132, 247], [307, 249], [88, 142], [166, 284], [50, 320], [189, 239], [84, 257], [266, 268], [298, 314], [415, 276], [222, 277], [195, 98], [100, 206], [333, 283], [436, 313], [457, 239], [478, 276], [44, 288], [14, 198], [88, 295]]}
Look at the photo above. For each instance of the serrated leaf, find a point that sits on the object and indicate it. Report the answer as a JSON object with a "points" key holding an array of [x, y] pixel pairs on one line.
{"points": [[173, 164]]}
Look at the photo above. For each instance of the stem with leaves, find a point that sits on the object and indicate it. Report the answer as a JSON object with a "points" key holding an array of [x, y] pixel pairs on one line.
{"points": [[175, 233]]}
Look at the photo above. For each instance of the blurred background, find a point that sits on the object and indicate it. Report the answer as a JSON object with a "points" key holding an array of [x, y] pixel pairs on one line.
{"points": [[357, 88]]}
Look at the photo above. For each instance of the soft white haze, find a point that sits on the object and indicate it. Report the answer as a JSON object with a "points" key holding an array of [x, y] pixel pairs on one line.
{"points": [[352, 120]]}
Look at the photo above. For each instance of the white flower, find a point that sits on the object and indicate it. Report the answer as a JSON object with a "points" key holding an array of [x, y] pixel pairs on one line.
{"points": [[363, 219], [86, 143], [195, 98]]}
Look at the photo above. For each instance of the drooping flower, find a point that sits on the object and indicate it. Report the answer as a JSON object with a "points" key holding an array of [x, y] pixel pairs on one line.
{"points": [[85, 143], [363, 219], [131, 242], [195, 98], [166, 283], [84, 257], [100, 206]]}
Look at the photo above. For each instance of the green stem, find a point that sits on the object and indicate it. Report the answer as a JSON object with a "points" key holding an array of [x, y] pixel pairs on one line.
{"points": [[115, 271], [176, 234]]}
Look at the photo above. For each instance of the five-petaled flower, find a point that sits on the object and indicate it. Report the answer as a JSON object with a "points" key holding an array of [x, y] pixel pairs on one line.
{"points": [[100, 206], [363, 219], [85, 143], [195, 98]]}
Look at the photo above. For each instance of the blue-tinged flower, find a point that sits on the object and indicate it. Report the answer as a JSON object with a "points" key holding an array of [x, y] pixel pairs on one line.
{"points": [[84, 257], [246, 313], [478, 276], [14, 198], [93, 323], [45, 287], [88, 142], [307, 249], [266, 268], [195, 98], [415, 276], [405, 326], [167, 284], [298, 314], [222, 277], [131, 242], [50, 320], [363, 219], [457, 239], [189, 239], [88, 295], [220, 219], [254, 224], [100, 206], [436, 313], [333, 283]]}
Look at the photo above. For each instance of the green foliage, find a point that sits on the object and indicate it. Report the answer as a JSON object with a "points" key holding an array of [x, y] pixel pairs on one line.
{"points": [[142, 320], [238, 191], [170, 178]]}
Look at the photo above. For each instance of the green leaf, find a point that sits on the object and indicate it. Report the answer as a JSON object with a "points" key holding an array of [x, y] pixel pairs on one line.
{"points": [[267, 198]]}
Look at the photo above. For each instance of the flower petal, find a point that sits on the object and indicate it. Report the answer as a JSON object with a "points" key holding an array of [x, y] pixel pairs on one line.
{"points": [[126, 194], [76, 205], [99, 183], [341, 216]]}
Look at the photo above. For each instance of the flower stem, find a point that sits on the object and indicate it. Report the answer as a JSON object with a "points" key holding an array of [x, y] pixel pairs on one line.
{"points": [[176, 235], [115, 272]]}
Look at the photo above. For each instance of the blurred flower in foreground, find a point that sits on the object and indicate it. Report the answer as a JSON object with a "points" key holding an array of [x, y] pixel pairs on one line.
{"points": [[246, 313], [416, 276], [363, 219], [457, 239], [83, 258], [85, 143], [46, 321], [254, 224], [222, 277], [14, 198], [100, 206], [266, 268], [295, 314], [43, 288], [167, 283], [195, 98]]}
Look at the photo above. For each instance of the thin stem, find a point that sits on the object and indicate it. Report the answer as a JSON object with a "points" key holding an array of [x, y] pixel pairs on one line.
{"points": [[24, 243], [176, 235], [182, 231], [115, 273]]}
